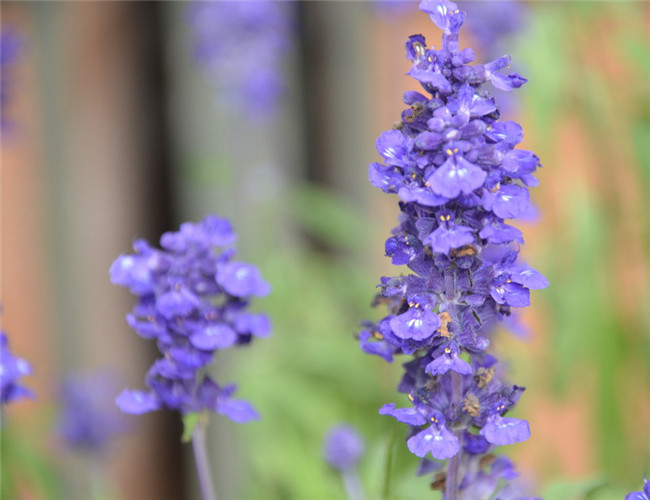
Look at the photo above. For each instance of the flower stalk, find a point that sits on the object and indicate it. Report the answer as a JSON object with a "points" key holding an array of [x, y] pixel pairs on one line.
{"points": [[202, 461]]}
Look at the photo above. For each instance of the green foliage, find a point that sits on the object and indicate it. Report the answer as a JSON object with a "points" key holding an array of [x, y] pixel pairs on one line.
{"points": [[25, 469], [593, 339], [312, 374]]}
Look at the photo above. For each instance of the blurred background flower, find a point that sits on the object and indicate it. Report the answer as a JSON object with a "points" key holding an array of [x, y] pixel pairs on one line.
{"points": [[121, 135]]}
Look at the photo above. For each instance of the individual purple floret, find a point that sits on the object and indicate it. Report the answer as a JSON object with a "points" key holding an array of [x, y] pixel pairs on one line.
{"points": [[459, 176], [343, 447], [11, 370], [640, 495], [193, 300], [241, 46], [88, 422], [342, 450]]}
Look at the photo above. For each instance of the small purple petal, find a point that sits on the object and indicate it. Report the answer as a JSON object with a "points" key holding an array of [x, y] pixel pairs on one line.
{"points": [[443, 239], [137, 402], [255, 324], [409, 416], [241, 280], [416, 323], [237, 410], [423, 196], [442, 364], [435, 440], [443, 13], [213, 337], [392, 146], [177, 302], [456, 176], [502, 431], [384, 177]]}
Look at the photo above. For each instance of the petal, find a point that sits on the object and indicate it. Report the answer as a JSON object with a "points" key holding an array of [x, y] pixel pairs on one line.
{"points": [[509, 201], [409, 416], [211, 337], [437, 440], [442, 240], [529, 277], [177, 302], [137, 402], [237, 410], [416, 324], [255, 324], [132, 271], [384, 177], [392, 146], [428, 141], [433, 78], [442, 364], [443, 13], [456, 175], [241, 280], [512, 294], [423, 196], [501, 431]]}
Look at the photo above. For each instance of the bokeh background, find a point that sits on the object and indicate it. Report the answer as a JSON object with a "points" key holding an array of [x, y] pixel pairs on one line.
{"points": [[113, 130]]}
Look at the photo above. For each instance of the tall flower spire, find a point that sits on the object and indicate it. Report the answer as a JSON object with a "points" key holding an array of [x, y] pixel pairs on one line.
{"points": [[455, 167], [241, 46], [193, 300]]}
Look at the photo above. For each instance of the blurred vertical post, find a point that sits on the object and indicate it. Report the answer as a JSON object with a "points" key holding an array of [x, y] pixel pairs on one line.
{"points": [[88, 179]]}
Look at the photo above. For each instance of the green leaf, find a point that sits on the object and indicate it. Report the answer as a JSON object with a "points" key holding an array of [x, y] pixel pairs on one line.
{"points": [[189, 423]]}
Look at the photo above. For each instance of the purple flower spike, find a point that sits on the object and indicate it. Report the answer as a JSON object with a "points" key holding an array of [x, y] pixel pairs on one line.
{"points": [[193, 300], [11, 370], [343, 447], [88, 420], [459, 176], [241, 47]]}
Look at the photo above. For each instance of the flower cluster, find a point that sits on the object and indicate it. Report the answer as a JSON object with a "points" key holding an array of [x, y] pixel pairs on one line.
{"points": [[456, 169], [241, 46], [11, 369], [193, 301], [88, 422]]}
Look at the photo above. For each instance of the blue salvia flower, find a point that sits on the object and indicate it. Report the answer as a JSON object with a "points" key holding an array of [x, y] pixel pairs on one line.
{"points": [[640, 495], [343, 449], [456, 169], [11, 371], [241, 46], [193, 301], [88, 422]]}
